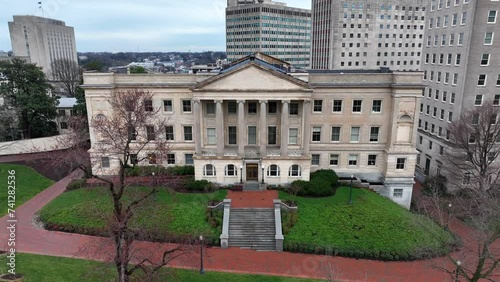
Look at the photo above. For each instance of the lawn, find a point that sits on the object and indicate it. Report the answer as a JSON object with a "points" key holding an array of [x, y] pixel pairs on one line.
{"points": [[372, 227], [28, 183], [37, 268], [169, 213]]}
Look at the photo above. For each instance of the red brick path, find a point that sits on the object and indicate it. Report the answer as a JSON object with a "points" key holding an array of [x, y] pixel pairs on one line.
{"points": [[252, 199], [37, 241]]}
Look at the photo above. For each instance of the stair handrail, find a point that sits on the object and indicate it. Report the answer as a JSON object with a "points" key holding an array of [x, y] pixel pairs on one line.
{"points": [[224, 237], [219, 206], [287, 207]]}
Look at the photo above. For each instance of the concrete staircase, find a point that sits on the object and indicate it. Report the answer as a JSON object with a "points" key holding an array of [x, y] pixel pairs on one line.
{"points": [[252, 228], [251, 186]]}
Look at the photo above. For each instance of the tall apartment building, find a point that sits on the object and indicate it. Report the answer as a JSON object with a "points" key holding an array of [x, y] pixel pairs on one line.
{"points": [[270, 27], [43, 40], [367, 34], [461, 63]]}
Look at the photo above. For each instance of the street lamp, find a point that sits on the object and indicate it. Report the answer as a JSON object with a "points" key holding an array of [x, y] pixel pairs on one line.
{"points": [[202, 271], [448, 219], [262, 174], [241, 174], [458, 268], [350, 191], [154, 186]]}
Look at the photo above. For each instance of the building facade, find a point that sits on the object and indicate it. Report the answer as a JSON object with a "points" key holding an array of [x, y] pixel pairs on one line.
{"points": [[461, 61], [43, 40], [270, 27], [367, 34], [256, 123]]}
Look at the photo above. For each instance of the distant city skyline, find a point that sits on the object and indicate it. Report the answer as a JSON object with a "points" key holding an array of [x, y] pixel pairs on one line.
{"points": [[130, 26]]}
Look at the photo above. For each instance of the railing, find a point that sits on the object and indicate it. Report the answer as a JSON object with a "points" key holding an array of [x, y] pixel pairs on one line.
{"points": [[279, 232], [224, 237]]}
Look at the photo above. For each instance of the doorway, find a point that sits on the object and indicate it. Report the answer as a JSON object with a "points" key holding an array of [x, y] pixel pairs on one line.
{"points": [[252, 172]]}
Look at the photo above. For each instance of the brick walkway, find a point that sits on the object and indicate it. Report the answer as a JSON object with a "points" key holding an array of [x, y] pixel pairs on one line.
{"points": [[252, 199], [37, 241]]}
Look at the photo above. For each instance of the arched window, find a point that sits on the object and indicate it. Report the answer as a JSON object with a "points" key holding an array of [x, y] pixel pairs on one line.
{"points": [[209, 170], [231, 170], [273, 170], [295, 171]]}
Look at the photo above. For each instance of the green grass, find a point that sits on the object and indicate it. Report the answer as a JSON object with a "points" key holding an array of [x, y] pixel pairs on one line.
{"points": [[372, 227], [37, 268], [28, 183], [177, 213]]}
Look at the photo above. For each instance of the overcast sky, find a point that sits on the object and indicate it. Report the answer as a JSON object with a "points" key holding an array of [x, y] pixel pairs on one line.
{"points": [[131, 25]]}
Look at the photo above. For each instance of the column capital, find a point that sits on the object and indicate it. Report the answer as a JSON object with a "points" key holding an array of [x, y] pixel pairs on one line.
{"points": [[196, 100], [241, 101], [307, 101], [285, 101], [219, 101], [263, 101]]}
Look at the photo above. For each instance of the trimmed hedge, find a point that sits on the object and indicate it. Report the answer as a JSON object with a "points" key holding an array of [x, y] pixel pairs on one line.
{"points": [[76, 184], [159, 170], [321, 184], [199, 186]]}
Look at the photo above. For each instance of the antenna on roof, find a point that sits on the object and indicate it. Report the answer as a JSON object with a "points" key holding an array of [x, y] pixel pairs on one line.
{"points": [[40, 6]]}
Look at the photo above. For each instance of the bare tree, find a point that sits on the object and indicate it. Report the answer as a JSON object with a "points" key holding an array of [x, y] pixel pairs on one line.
{"points": [[67, 75], [473, 169]]}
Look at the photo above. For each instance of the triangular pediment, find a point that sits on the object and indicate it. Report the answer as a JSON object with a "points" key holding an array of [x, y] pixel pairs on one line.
{"points": [[252, 77]]}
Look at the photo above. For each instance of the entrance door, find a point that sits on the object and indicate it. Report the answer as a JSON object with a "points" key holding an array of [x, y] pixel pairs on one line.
{"points": [[252, 172]]}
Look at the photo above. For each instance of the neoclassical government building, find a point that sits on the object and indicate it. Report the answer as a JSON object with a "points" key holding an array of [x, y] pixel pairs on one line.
{"points": [[257, 122]]}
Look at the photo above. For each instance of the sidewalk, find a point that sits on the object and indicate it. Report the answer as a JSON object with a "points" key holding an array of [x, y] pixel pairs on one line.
{"points": [[37, 241]]}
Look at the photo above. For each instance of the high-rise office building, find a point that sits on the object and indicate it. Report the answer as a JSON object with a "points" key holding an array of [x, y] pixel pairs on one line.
{"points": [[43, 40], [460, 62], [270, 27], [367, 34]]}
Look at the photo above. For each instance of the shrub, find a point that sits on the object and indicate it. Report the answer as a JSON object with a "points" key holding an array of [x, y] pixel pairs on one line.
{"points": [[199, 186], [145, 170], [320, 185], [181, 170], [327, 175], [76, 184]]}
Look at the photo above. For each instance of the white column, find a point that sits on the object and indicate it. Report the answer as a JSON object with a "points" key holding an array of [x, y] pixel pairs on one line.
{"points": [[219, 114], [306, 137], [263, 128], [197, 128], [284, 128], [241, 128]]}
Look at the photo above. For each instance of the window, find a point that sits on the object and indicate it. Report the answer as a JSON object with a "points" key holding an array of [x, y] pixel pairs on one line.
{"points": [[232, 107], [252, 108], [211, 136], [458, 59], [488, 38], [152, 158], [294, 171], [272, 107], [210, 108], [464, 18], [450, 116], [372, 160], [441, 117], [455, 79], [466, 178], [271, 135], [337, 106], [452, 39], [475, 119], [355, 134], [353, 160], [252, 135], [148, 105], [293, 136], [273, 170], [452, 99], [186, 106], [478, 101], [133, 159], [430, 145], [401, 163], [129, 105], [188, 159], [63, 125], [398, 193], [105, 162], [498, 80], [209, 170], [485, 58], [492, 16], [357, 106], [167, 106], [334, 159], [132, 133], [441, 150], [316, 134], [315, 159], [445, 96], [460, 39], [150, 133], [454, 20], [377, 106], [232, 135], [481, 81], [318, 106], [335, 134], [496, 100], [170, 158], [188, 133], [374, 132], [61, 113], [231, 170], [169, 133], [293, 110]]}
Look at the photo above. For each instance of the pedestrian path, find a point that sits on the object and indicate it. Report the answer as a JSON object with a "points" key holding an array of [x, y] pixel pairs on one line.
{"points": [[252, 199]]}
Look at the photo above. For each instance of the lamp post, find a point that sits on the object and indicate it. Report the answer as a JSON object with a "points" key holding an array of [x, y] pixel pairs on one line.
{"points": [[448, 219], [458, 268], [154, 186], [202, 271], [241, 174], [262, 174], [350, 191]]}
